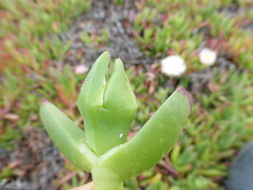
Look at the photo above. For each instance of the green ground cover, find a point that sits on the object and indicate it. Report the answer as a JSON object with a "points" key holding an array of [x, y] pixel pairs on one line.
{"points": [[28, 45], [182, 26], [221, 121]]}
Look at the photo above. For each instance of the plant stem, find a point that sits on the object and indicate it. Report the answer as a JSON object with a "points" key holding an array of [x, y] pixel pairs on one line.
{"points": [[106, 179]]}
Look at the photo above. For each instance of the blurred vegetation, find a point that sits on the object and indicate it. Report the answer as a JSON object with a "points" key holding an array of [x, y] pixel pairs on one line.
{"points": [[29, 42], [221, 122], [26, 25], [182, 27]]}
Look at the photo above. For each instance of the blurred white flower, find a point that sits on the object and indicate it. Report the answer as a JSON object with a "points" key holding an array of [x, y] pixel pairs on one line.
{"points": [[80, 69], [207, 56], [173, 65]]}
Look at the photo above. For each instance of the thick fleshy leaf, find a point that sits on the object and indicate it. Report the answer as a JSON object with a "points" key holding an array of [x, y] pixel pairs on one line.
{"points": [[119, 95], [153, 141], [68, 137], [92, 91], [106, 121]]}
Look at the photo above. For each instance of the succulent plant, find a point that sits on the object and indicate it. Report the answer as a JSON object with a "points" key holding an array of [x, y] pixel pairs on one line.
{"points": [[108, 107]]}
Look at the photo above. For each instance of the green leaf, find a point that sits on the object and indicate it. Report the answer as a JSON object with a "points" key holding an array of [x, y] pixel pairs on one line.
{"points": [[108, 107], [68, 137], [92, 91], [153, 141]]}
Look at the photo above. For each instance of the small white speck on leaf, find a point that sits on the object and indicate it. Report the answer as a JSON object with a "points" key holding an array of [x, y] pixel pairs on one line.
{"points": [[121, 135]]}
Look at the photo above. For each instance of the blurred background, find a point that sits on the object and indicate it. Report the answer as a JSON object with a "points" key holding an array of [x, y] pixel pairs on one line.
{"points": [[48, 46]]}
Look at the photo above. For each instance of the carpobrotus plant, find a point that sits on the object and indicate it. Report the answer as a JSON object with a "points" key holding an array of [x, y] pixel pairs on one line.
{"points": [[108, 107]]}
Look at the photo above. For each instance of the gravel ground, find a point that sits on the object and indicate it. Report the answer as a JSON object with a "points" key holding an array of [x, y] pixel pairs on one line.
{"points": [[36, 162], [105, 15]]}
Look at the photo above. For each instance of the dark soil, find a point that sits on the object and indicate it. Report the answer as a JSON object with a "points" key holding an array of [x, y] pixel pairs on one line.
{"points": [[35, 161], [117, 19]]}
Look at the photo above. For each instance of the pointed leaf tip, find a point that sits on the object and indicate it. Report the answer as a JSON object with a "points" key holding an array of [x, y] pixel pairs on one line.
{"points": [[184, 92], [44, 101]]}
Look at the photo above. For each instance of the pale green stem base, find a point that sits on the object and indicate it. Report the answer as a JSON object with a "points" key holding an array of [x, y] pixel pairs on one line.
{"points": [[105, 179]]}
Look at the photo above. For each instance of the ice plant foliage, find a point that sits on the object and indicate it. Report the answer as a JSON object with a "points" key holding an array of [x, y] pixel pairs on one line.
{"points": [[108, 106]]}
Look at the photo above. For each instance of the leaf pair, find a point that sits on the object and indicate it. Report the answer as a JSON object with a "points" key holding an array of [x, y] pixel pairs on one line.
{"points": [[108, 107]]}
